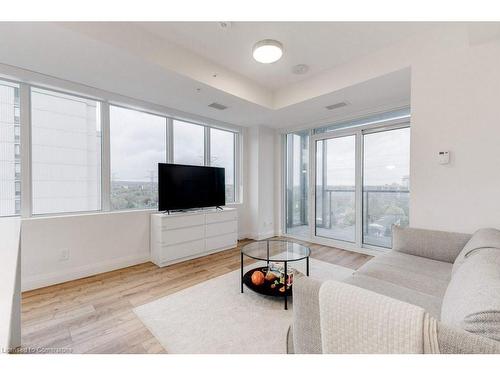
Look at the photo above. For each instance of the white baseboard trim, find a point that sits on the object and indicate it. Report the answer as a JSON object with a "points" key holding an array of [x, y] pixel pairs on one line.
{"points": [[40, 281], [244, 236], [261, 236]]}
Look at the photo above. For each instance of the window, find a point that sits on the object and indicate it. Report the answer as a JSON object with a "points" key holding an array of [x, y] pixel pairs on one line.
{"points": [[360, 181], [297, 184], [189, 143], [138, 144], [222, 155], [386, 194], [66, 153], [10, 185]]}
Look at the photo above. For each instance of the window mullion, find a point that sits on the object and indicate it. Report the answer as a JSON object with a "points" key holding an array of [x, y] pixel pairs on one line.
{"points": [[170, 140], [207, 146], [105, 158]]}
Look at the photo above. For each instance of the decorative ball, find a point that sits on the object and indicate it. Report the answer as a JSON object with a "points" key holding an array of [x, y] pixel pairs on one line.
{"points": [[257, 278]]}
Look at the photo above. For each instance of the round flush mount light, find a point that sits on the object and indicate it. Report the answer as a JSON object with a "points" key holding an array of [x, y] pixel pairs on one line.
{"points": [[267, 51]]}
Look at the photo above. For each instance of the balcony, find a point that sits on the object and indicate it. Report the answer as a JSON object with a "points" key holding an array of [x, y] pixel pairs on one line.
{"points": [[335, 215]]}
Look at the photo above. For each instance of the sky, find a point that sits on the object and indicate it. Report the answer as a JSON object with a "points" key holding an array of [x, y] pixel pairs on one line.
{"points": [[138, 144], [386, 158]]}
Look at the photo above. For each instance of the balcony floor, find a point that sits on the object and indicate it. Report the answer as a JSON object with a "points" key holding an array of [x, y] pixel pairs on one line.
{"points": [[341, 234]]}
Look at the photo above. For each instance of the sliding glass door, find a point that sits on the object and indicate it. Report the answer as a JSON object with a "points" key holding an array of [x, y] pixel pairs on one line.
{"points": [[386, 183], [361, 185], [335, 188]]}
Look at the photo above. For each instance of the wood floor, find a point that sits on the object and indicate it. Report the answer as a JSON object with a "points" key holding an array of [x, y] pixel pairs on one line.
{"points": [[94, 314]]}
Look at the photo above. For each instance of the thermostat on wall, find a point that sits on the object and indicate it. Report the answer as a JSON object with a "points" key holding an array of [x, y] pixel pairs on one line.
{"points": [[444, 157]]}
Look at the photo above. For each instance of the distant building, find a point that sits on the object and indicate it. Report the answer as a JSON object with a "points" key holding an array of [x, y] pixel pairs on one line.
{"points": [[10, 149]]}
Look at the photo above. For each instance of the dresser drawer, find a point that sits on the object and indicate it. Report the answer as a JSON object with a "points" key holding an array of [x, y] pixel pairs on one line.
{"points": [[220, 242], [216, 217], [174, 236], [181, 221], [217, 229], [182, 250]]}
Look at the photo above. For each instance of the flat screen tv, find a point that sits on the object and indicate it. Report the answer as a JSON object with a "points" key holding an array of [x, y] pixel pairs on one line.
{"points": [[187, 186]]}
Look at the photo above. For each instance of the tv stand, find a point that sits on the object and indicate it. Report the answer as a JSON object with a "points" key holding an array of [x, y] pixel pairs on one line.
{"points": [[178, 236]]}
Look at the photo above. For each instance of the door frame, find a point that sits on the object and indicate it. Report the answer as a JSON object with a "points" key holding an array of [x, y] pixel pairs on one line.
{"points": [[358, 132]]}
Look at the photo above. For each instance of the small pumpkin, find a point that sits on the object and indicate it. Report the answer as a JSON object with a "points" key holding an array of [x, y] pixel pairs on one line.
{"points": [[258, 278]]}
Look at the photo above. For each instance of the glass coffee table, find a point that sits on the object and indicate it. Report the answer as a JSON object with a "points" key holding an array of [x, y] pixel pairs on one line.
{"points": [[271, 280]]}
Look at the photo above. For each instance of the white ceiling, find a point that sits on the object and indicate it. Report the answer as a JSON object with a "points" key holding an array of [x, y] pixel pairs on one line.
{"points": [[320, 45], [165, 64]]}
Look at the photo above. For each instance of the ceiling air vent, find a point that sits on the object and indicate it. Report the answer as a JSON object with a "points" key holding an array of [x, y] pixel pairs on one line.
{"points": [[336, 105], [218, 106]]}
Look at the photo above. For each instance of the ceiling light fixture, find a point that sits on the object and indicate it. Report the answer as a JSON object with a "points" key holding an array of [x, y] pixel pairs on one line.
{"points": [[267, 51]]}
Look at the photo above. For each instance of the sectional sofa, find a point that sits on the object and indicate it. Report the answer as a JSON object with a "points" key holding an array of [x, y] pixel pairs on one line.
{"points": [[455, 277]]}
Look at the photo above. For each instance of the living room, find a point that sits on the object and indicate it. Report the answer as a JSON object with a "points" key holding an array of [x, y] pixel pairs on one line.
{"points": [[197, 186]]}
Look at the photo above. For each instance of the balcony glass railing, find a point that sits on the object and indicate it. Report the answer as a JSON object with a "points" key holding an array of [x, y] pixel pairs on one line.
{"points": [[335, 214]]}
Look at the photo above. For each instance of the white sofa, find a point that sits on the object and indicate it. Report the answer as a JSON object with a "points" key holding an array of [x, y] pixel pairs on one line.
{"points": [[455, 277]]}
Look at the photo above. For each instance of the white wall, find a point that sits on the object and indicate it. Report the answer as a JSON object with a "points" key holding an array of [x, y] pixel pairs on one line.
{"points": [[261, 182], [97, 242], [455, 107], [10, 280]]}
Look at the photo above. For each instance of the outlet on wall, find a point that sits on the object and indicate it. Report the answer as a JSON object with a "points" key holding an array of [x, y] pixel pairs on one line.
{"points": [[64, 255]]}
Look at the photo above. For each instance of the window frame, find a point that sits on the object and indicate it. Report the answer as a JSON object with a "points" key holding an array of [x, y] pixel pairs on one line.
{"points": [[21, 77]]}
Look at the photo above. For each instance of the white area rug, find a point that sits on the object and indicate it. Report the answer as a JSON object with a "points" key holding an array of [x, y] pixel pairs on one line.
{"points": [[214, 317]]}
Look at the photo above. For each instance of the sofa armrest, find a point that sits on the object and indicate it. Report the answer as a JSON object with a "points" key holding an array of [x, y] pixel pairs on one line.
{"points": [[306, 330], [432, 244], [453, 340]]}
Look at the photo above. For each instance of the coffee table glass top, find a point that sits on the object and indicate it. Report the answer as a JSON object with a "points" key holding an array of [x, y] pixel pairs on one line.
{"points": [[276, 250]]}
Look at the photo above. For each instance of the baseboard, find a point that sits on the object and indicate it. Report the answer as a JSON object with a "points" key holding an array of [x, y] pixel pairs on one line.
{"points": [[261, 236], [35, 282]]}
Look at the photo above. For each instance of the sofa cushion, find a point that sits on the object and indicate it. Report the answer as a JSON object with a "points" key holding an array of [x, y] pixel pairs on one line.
{"points": [[431, 304], [472, 299], [409, 278], [481, 239], [432, 244], [421, 274]]}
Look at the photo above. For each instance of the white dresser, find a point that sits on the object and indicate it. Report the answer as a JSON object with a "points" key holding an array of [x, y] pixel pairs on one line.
{"points": [[186, 235]]}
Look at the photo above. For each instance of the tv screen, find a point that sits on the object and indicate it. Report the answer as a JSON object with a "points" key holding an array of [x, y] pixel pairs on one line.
{"points": [[188, 186]]}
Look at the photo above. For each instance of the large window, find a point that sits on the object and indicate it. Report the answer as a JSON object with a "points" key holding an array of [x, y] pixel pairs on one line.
{"points": [[359, 177], [66, 153], [386, 194], [297, 184], [10, 161], [137, 145], [222, 144], [64, 165], [189, 143]]}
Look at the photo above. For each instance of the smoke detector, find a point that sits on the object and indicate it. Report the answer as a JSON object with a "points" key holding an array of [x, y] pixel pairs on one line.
{"points": [[336, 105], [300, 69], [218, 106]]}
